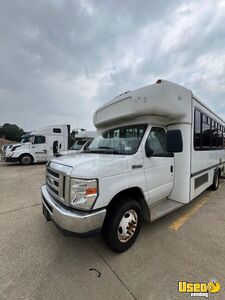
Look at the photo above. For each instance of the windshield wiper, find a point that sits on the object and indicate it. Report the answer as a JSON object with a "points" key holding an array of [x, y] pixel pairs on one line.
{"points": [[109, 148], [86, 151], [101, 150]]}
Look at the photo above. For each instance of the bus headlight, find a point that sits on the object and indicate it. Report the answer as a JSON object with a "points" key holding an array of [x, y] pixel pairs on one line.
{"points": [[83, 193]]}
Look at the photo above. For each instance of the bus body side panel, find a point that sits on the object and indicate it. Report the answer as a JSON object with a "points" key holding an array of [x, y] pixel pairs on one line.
{"points": [[200, 183], [204, 162], [181, 189]]}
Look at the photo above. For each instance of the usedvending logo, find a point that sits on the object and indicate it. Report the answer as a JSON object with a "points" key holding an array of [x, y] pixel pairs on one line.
{"points": [[199, 289]]}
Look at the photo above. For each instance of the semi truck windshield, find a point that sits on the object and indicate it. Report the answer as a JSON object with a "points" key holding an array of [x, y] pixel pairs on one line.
{"points": [[78, 145], [26, 139], [121, 140]]}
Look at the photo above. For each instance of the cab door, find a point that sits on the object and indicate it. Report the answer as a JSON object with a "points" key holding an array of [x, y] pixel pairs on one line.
{"points": [[159, 167], [39, 148]]}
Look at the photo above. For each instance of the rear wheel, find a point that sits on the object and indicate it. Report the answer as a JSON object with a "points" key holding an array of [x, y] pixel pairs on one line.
{"points": [[122, 225], [26, 159], [216, 181]]}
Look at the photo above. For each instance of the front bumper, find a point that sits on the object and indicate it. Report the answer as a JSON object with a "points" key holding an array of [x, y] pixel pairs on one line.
{"points": [[11, 159], [81, 223]]}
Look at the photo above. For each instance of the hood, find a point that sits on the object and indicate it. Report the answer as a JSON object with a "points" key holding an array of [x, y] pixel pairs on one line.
{"points": [[92, 165], [68, 152], [9, 147], [12, 145], [24, 145]]}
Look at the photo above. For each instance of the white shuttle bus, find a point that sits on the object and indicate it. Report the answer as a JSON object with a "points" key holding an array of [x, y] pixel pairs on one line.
{"points": [[39, 145], [158, 148]]}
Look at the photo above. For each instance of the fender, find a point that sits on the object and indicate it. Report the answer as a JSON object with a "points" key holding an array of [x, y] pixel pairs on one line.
{"points": [[136, 193]]}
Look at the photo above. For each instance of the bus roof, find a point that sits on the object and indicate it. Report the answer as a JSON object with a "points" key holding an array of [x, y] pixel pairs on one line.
{"points": [[164, 99]]}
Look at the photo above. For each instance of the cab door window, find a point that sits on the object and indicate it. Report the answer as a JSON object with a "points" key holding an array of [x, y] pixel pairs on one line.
{"points": [[157, 141], [39, 139]]}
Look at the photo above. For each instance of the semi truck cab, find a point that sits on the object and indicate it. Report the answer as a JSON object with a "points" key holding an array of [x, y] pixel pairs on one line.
{"points": [[82, 141], [39, 145]]}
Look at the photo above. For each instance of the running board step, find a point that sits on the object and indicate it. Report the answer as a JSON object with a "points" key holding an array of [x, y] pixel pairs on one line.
{"points": [[163, 207]]}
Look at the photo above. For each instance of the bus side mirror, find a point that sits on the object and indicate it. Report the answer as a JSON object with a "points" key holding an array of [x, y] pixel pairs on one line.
{"points": [[148, 150], [174, 141]]}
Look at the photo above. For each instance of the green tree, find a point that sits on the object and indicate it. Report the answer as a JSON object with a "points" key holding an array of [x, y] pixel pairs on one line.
{"points": [[11, 132]]}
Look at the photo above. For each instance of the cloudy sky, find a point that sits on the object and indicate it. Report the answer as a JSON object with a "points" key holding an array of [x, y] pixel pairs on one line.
{"points": [[62, 59]]}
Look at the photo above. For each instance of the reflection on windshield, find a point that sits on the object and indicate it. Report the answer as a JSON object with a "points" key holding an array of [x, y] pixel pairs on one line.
{"points": [[26, 139], [78, 145], [121, 140]]}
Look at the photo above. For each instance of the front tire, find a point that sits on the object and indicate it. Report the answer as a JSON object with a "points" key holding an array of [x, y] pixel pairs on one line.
{"points": [[26, 159], [122, 225]]}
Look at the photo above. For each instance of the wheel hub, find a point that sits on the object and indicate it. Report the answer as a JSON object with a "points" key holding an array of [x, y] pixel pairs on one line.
{"points": [[127, 226], [26, 160]]}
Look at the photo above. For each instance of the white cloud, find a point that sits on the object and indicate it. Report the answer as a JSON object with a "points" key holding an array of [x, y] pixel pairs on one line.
{"points": [[60, 60]]}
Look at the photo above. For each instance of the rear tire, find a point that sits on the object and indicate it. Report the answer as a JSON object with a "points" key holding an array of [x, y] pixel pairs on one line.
{"points": [[26, 159], [122, 225], [216, 181]]}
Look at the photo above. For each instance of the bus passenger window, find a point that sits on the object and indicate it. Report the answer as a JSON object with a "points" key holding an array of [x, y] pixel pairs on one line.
{"points": [[206, 132], [214, 135], [197, 130]]}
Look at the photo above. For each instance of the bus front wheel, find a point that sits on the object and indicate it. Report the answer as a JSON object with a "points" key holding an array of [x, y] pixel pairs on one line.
{"points": [[122, 224]]}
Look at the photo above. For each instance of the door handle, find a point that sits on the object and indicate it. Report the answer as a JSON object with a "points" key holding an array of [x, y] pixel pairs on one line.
{"points": [[171, 169], [137, 166]]}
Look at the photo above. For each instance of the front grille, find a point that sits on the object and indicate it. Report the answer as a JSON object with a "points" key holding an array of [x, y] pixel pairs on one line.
{"points": [[53, 173], [58, 182], [3, 154], [54, 183]]}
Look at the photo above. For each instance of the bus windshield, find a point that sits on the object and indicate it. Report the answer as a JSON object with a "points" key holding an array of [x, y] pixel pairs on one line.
{"points": [[121, 140], [78, 145]]}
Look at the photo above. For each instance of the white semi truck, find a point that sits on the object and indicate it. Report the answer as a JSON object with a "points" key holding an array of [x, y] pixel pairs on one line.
{"points": [[39, 145], [82, 141], [158, 148]]}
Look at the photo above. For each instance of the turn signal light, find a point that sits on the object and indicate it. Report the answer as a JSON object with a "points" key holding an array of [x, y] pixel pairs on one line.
{"points": [[91, 191]]}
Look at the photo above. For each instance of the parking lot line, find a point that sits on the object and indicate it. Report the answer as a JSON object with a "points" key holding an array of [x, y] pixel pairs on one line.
{"points": [[175, 226]]}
